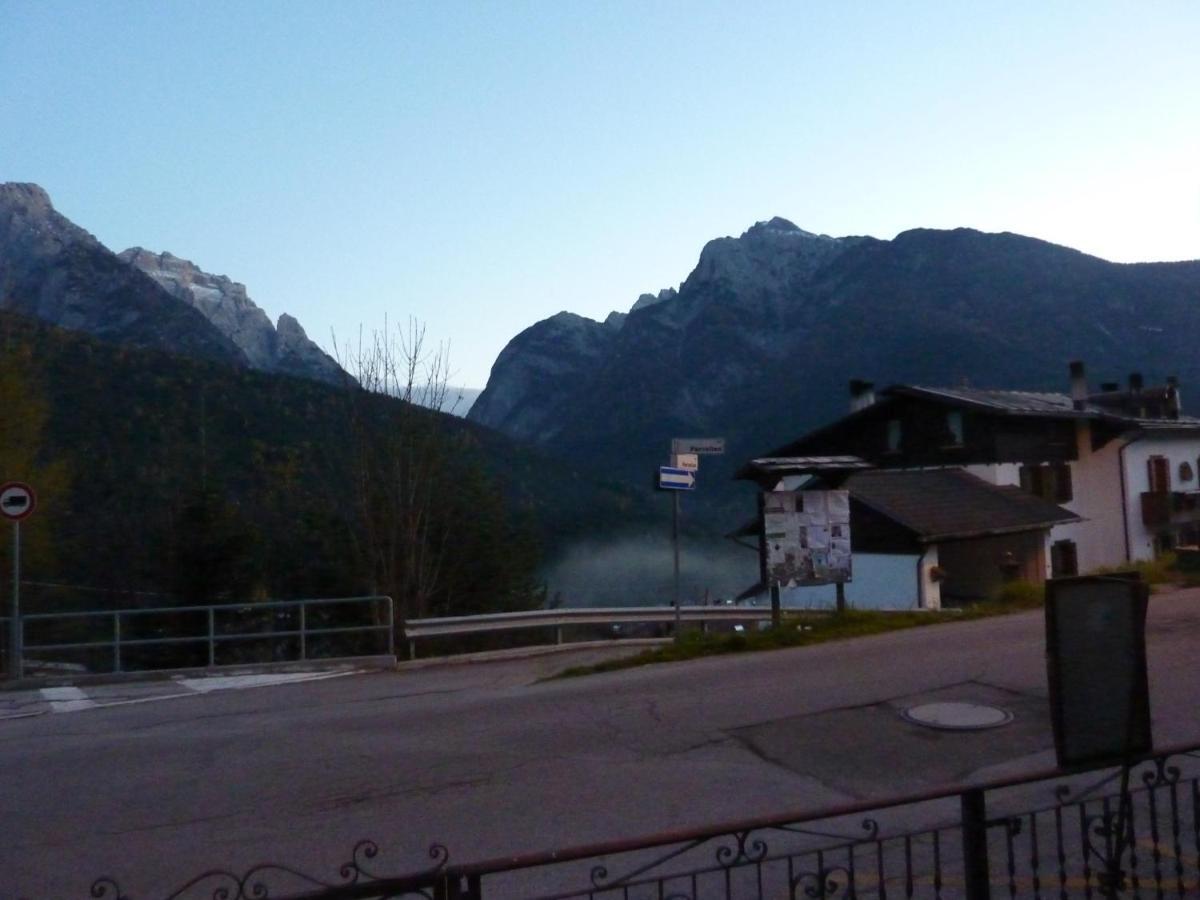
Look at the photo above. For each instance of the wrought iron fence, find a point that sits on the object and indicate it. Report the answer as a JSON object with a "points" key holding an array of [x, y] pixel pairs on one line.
{"points": [[209, 636], [1046, 835]]}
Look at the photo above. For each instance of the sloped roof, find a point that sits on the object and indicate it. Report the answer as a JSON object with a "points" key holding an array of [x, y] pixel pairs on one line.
{"points": [[1025, 403], [1038, 403], [942, 504]]}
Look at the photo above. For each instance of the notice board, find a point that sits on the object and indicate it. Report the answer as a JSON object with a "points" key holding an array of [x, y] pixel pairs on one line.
{"points": [[1096, 668], [806, 537]]}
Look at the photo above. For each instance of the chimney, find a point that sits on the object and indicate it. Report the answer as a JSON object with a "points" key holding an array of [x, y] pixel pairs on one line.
{"points": [[1174, 406], [1079, 388], [1137, 406], [862, 394]]}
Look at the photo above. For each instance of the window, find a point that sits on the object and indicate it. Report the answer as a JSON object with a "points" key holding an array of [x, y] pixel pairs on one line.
{"points": [[1185, 471], [1050, 482], [1063, 559], [893, 436], [1159, 472]]}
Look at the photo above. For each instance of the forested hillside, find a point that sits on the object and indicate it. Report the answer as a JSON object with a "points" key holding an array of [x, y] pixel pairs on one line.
{"points": [[166, 479]]}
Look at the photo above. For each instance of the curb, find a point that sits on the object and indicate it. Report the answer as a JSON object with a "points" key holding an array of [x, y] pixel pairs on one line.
{"points": [[526, 652]]}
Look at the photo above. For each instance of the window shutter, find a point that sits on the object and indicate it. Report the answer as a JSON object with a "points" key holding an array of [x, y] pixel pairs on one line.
{"points": [[1159, 473], [1063, 492]]}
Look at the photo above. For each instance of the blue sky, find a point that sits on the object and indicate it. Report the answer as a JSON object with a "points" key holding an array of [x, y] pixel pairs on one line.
{"points": [[482, 166]]}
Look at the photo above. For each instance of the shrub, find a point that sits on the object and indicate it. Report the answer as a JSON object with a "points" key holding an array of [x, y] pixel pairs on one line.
{"points": [[1021, 594]]}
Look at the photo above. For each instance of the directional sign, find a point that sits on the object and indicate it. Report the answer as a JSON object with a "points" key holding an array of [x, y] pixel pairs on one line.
{"points": [[702, 446], [671, 479], [689, 461], [17, 500]]}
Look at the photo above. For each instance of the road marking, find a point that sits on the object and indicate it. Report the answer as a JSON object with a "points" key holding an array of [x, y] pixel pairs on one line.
{"points": [[22, 715], [73, 699], [67, 699], [238, 682]]}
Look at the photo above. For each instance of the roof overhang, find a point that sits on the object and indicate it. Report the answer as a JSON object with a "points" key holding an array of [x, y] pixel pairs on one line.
{"points": [[768, 470], [953, 399], [993, 532]]}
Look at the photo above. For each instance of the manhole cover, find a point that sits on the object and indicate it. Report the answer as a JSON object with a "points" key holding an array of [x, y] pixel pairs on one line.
{"points": [[957, 716]]}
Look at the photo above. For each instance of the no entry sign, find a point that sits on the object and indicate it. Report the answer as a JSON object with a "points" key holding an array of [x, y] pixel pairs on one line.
{"points": [[17, 501]]}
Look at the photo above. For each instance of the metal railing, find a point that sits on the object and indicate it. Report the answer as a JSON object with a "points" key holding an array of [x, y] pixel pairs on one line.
{"points": [[1047, 834], [417, 629], [294, 630]]}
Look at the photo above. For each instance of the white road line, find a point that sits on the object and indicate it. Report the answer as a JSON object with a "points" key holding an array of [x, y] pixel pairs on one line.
{"points": [[22, 715], [67, 699], [238, 682], [73, 699]]}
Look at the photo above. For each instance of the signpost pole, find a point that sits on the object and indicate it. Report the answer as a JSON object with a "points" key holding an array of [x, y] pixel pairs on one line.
{"points": [[841, 596], [675, 542], [681, 476], [14, 621], [17, 502]]}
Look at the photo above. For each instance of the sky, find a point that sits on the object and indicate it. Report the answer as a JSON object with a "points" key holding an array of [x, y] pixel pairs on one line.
{"points": [[478, 167]]}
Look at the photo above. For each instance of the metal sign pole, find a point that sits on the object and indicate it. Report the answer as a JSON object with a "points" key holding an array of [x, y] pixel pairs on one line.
{"points": [[675, 541], [14, 622]]}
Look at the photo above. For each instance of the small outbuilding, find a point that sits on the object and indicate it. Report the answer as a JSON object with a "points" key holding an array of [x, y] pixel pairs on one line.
{"points": [[969, 536], [921, 537]]}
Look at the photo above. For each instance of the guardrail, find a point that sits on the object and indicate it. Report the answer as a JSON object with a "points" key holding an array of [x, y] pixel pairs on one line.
{"points": [[120, 636], [296, 621], [416, 629]]}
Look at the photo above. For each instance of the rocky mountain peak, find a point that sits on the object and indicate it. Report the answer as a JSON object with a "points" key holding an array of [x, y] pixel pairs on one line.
{"points": [[777, 224], [225, 303], [31, 197], [53, 270], [772, 256], [29, 221], [654, 299], [289, 328], [615, 320]]}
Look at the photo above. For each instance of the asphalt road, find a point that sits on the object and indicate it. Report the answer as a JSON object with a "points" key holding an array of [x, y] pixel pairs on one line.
{"points": [[488, 759]]}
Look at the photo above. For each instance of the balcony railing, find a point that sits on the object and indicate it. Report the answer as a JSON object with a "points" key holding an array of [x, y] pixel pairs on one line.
{"points": [[1163, 508]]}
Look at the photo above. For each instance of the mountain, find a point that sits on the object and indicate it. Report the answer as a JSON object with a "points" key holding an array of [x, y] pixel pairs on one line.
{"points": [[55, 271], [283, 348], [759, 341]]}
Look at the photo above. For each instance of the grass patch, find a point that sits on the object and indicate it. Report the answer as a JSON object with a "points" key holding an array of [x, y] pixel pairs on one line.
{"points": [[1165, 569], [800, 629]]}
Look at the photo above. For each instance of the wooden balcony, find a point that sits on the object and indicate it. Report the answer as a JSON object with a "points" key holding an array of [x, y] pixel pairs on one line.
{"points": [[1165, 508]]}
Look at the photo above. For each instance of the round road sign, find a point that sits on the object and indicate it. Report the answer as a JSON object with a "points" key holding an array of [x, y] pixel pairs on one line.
{"points": [[17, 500]]}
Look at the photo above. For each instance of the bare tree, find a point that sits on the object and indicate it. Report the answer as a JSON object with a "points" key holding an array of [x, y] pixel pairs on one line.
{"points": [[397, 457]]}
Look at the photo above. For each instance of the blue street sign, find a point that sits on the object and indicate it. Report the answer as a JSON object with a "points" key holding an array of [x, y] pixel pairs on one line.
{"points": [[670, 479]]}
